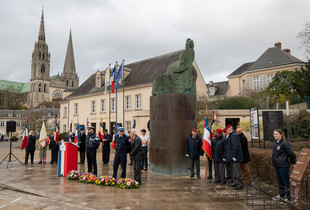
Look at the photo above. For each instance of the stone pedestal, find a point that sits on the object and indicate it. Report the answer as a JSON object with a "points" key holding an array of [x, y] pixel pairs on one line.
{"points": [[172, 118]]}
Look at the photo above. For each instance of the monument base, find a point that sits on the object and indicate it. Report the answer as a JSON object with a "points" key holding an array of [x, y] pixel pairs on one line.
{"points": [[172, 118]]}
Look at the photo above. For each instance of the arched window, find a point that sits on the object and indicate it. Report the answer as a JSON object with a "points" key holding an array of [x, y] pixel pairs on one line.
{"points": [[67, 83], [72, 83], [40, 87], [39, 55], [43, 69], [44, 88], [43, 56]]}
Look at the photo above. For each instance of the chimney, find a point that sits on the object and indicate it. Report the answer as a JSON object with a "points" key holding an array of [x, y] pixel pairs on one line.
{"points": [[278, 45], [288, 51]]}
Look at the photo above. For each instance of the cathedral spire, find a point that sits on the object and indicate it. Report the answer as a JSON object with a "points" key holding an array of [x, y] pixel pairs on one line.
{"points": [[69, 62], [42, 31]]}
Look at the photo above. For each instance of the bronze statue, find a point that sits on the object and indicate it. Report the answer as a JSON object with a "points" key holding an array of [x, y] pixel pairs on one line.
{"points": [[180, 76]]}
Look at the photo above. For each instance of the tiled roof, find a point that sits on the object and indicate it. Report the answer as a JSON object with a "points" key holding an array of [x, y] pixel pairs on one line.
{"points": [[16, 87], [222, 88], [141, 72]]}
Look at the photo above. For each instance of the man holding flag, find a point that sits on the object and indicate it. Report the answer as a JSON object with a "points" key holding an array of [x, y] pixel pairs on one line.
{"points": [[193, 150], [206, 145], [30, 149]]}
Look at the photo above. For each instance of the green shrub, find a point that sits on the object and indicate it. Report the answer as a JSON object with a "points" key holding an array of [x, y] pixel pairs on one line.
{"points": [[14, 138]]}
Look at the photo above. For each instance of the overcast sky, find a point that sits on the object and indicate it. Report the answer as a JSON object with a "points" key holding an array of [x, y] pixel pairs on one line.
{"points": [[226, 33]]}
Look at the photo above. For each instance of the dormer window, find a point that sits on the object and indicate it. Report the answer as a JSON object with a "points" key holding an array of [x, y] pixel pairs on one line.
{"points": [[212, 91], [99, 82]]}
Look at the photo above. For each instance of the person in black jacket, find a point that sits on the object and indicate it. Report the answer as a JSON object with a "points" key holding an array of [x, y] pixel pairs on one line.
{"points": [[219, 143], [92, 144], [281, 152], [234, 155], [54, 148], [30, 149], [193, 150], [107, 139], [82, 146], [246, 156], [136, 154], [122, 147]]}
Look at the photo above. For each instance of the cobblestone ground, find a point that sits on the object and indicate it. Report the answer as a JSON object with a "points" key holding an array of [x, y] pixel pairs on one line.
{"points": [[37, 186]]}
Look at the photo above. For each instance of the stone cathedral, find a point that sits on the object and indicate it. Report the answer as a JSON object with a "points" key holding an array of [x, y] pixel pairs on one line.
{"points": [[44, 87]]}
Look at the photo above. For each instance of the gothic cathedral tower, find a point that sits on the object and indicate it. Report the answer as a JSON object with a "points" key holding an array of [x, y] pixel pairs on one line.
{"points": [[40, 70]]}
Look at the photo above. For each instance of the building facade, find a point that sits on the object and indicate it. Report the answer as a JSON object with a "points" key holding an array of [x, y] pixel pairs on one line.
{"points": [[91, 103], [255, 76]]}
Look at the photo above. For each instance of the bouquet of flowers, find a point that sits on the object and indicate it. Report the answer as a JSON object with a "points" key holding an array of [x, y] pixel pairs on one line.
{"points": [[87, 178], [106, 180], [127, 183], [74, 175]]}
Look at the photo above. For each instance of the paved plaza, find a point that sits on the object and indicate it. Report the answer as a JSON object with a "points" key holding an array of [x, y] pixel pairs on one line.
{"points": [[37, 186]]}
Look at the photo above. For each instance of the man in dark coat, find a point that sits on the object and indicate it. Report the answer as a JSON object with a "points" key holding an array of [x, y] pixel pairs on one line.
{"points": [[122, 146], [107, 139], [54, 148], [137, 155], [193, 150], [30, 149], [82, 146], [219, 143], [92, 144], [228, 165], [234, 155], [246, 156]]}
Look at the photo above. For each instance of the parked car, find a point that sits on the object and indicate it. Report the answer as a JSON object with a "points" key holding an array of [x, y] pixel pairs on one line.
{"points": [[5, 138]]}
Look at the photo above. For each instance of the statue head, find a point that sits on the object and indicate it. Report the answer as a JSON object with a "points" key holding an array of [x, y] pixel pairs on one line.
{"points": [[189, 44]]}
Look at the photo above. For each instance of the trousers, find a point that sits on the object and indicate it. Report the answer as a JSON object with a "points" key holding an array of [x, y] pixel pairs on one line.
{"points": [[82, 156], [91, 160], [144, 160], [246, 176], [196, 162], [31, 152], [120, 159], [219, 169], [237, 174], [137, 170], [284, 182], [42, 153], [229, 170], [106, 154]]}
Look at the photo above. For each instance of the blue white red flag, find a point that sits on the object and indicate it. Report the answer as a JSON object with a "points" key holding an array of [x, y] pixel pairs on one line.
{"points": [[206, 142], [134, 124], [112, 80], [119, 76], [25, 136]]}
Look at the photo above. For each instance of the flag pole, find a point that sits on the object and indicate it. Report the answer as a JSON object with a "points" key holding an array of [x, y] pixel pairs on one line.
{"points": [[207, 161], [123, 94], [115, 102], [109, 98]]}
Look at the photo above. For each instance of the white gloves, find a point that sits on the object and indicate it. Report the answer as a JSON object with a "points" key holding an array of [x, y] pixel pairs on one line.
{"points": [[234, 159], [224, 159], [187, 155]]}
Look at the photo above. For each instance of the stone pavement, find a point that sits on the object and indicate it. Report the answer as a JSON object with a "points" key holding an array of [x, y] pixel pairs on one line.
{"points": [[37, 186]]}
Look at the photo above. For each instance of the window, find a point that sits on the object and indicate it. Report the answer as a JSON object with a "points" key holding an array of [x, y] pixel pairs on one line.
{"points": [[128, 102], [65, 111], [256, 83], [113, 104], [138, 101], [127, 126], [10, 114], [67, 83], [44, 88], [1, 123], [65, 128], [93, 106], [40, 87], [43, 69], [211, 89], [269, 79], [102, 105], [49, 114], [18, 115], [18, 124], [76, 108], [72, 83], [98, 82]]}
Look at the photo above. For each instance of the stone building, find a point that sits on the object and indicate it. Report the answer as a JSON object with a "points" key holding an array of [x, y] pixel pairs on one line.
{"points": [[91, 103], [43, 87]]}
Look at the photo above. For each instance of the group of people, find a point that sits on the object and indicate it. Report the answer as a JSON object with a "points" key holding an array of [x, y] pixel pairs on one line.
{"points": [[230, 155], [133, 145], [49, 143]]}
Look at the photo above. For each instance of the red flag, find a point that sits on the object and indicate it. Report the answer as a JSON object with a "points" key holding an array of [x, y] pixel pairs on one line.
{"points": [[113, 144], [56, 130]]}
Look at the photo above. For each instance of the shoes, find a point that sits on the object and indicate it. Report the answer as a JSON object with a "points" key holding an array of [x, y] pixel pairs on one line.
{"points": [[228, 178], [130, 164], [44, 162], [238, 188], [26, 163], [198, 177], [51, 162], [232, 185], [40, 162], [31, 162], [216, 181], [277, 198], [209, 177], [192, 176]]}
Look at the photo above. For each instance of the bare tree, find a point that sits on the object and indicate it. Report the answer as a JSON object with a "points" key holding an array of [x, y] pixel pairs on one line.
{"points": [[304, 36]]}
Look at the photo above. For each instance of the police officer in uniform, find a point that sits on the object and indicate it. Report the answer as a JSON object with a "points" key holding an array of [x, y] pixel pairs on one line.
{"points": [[92, 144], [122, 146], [107, 139]]}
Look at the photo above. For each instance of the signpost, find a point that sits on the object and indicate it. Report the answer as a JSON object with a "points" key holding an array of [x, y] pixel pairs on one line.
{"points": [[271, 120], [255, 132]]}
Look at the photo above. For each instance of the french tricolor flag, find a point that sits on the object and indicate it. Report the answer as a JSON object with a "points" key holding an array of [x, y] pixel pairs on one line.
{"points": [[112, 80], [206, 143]]}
